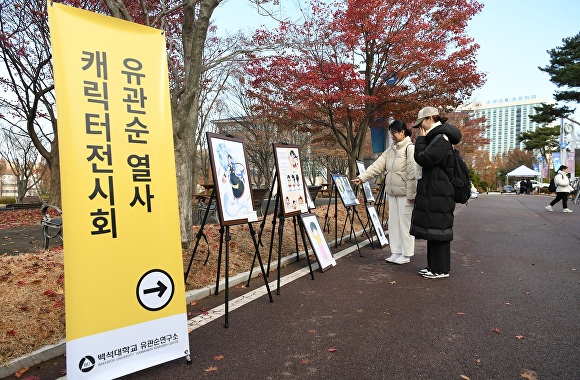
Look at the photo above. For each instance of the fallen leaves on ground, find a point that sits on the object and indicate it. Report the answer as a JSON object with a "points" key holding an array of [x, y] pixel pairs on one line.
{"points": [[529, 374], [20, 218], [210, 369], [496, 330], [32, 296]]}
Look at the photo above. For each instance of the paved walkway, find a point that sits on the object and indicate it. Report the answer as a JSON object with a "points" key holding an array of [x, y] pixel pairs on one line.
{"points": [[510, 307]]}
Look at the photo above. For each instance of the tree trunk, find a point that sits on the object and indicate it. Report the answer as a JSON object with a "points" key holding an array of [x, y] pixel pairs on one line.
{"points": [[184, 169]]}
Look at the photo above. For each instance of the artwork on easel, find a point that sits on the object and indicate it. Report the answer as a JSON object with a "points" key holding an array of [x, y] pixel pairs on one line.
{"points": [[317, 241], [366, 185], [231, 182], [377, 225], [345, 190], [290, 179]]}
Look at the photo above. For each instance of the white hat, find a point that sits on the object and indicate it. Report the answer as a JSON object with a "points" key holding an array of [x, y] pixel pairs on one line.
{"points": [[425, 112]]}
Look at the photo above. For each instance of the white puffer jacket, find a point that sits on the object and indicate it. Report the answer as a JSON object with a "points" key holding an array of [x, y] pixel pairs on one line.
{"points": [[400, 166], [562, 182]]}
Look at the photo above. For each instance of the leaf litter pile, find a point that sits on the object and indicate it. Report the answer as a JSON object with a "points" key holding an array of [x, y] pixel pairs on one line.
{"points": [[32, 284]]}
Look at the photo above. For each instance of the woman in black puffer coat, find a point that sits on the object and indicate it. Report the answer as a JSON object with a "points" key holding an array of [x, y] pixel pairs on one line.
{"points": [[432, 218]]}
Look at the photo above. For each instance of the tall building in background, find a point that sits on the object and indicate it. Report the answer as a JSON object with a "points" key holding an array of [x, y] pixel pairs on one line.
{"points": [[506, 118]]}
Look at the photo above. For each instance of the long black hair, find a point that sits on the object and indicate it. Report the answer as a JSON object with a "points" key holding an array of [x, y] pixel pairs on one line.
{"points": [[398, 126]]}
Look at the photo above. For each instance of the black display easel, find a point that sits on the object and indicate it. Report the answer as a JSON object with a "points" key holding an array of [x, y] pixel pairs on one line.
{"points": [[278, 213], [326, 223], [368, 223], [225, 233]]}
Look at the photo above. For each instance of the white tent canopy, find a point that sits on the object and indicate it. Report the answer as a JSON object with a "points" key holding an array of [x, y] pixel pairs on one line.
{"points": [[523, 171]]}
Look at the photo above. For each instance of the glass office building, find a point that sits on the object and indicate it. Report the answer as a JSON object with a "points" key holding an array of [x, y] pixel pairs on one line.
{"points": [[506, 118]]}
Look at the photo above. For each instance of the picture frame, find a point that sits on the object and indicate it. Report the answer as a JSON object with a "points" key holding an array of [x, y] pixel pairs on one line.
{"points": [[344, 189], [290, 178], [368, 192], [317, 241], [377, 225], [232, 186]]}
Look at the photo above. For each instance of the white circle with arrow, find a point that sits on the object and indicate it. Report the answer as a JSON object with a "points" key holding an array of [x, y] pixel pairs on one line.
{"points": [[155, 289]]}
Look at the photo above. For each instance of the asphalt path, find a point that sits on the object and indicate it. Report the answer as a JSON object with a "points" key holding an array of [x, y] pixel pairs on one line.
{"points": [[510, 308]]}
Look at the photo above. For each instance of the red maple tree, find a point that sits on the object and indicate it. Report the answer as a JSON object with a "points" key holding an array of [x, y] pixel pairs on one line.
{"points": [[353, 62]]}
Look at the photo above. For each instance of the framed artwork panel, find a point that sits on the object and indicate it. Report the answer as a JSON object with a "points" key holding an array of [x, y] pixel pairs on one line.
{"points": [[232, 185], [366, 186], [290, 179], [377, 225], [317, 241], [345, 191]]}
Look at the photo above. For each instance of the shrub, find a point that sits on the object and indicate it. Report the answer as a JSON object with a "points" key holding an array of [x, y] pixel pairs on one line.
{"points": [[7, 200]]}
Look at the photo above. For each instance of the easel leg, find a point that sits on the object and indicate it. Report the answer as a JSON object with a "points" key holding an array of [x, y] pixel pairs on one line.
{"points": [[354, 233], [280, 235], [363, 227], [296, 238], [257, 254], [219, 265], [227, 275], [199, 235], [346, 219]]}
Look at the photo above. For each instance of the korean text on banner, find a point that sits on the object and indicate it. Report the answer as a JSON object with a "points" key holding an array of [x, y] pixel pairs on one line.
{"points": [[125, 297]]}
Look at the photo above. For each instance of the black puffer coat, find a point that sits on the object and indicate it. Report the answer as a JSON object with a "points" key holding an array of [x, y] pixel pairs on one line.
{"points": [[434, 205]]}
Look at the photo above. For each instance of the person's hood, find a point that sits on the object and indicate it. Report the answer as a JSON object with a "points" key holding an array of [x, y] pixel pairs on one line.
{"points": [[453, 133]]}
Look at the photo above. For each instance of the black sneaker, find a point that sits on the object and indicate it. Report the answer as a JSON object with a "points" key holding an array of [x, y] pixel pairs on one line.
{"points": [[423, 271], [435, 275]]}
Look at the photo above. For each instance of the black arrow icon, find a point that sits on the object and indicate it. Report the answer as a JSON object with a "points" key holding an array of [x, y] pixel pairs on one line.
{"points": [[161, 289]]}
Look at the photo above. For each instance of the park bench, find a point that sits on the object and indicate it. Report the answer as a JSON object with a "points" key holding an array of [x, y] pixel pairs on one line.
{"points": [[51, 223], [29, 202]]}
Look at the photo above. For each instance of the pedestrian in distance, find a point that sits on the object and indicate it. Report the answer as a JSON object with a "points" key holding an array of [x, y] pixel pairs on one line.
{"points": [[400, 187], [563, 189], [522, 186], [528, 186], [433, 216]]}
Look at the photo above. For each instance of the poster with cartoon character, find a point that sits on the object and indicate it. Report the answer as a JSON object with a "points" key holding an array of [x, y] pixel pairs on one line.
{"points": [[317, 241], [290, 179], [366, 185], [377, 225], [231, 180], [345, 191]]}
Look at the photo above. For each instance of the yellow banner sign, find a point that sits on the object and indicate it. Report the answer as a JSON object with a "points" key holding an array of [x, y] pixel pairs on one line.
{"points": [[125, 296]]}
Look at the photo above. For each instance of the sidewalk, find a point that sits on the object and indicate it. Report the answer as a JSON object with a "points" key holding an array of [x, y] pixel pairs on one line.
{"points": [[509, 306]]}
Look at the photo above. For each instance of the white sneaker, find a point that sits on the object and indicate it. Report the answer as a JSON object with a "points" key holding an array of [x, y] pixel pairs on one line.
{"points": [[549, 208], [567, 210], [402, 259], [392, 258]]}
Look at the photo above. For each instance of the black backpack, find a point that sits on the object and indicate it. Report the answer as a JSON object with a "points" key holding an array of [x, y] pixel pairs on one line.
{"points": [[552, 185], [460, 179]]}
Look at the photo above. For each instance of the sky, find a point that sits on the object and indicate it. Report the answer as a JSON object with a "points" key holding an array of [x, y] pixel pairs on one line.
{"points": [[514, 36]]}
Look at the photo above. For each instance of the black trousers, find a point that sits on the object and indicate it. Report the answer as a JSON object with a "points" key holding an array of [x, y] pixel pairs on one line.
{"points": [[563, 197], [438, 256]]}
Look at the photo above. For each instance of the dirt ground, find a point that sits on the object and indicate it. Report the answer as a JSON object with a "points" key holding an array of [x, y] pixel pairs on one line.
{"points": [[32, 279]]}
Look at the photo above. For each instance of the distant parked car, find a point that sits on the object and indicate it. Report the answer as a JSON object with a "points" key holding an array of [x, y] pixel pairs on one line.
{"points": [[508, 189]]}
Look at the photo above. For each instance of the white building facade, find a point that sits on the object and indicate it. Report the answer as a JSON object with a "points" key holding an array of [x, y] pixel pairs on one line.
{"points": [[506, 119]]}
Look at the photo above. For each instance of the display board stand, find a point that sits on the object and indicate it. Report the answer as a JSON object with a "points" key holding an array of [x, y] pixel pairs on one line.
{"points": [[225, 236], [326, 223], [278, 214], [364, 226]]}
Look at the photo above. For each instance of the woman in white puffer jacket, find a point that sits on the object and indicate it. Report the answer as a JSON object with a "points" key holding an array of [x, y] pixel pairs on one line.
{"points": [[563, 189], [400, 186]]}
